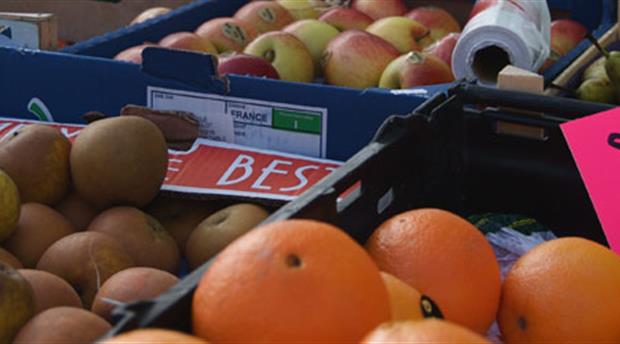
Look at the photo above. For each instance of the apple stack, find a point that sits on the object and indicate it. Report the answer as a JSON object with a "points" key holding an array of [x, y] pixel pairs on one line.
{"points": [[367, 44], [358, 43]]}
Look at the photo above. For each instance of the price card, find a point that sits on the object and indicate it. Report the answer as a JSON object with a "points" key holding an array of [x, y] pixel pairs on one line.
{"points": [[594, 142]]}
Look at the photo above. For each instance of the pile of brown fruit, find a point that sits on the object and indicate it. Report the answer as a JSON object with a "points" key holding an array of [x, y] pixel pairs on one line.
{"points": [[84, 227]]}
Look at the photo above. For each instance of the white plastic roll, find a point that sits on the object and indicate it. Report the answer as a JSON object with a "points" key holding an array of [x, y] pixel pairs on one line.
{"points": [[512, 32]]}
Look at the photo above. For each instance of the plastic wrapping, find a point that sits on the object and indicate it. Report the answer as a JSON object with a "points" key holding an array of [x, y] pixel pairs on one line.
{"points": [[510, 244], [515, 32]]}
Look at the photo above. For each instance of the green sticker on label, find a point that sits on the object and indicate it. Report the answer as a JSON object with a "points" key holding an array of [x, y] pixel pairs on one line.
{"points": [[234, 32], [296, 121], [268, 15]]}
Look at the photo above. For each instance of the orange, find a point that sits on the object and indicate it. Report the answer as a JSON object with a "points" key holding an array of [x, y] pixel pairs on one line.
{"points": [[424, 331], [406, 303], [445, 257], [294, 280], [564, 290], [153, 335]]}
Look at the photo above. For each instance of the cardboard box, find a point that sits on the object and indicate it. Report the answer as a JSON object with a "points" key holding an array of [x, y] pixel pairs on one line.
{"points": [[314, 120], [570, 78], [79, 20]]}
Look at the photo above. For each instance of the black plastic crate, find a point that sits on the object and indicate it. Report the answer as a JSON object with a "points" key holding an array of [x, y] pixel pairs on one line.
{"points": [[471, 150]]}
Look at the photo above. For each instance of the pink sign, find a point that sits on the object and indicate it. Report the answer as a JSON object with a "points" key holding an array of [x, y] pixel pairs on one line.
{"points": [[594, 142]]}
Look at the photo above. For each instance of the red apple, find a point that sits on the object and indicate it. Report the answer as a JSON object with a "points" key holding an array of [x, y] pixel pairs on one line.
{"points": [[415, 69], [553, 58], [133, 54], [343, 19], [288, 55], [357, 58], [444, 47], [244, 64], [436, 19], [265, 15], [480, 6], [404, 33], [188, 41], [377, 9], [150, 14], [565, 35], [227, 34]]}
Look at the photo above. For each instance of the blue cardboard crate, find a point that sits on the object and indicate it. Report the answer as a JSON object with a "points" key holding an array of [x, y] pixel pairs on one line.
{"points": [[597, 15], [62, 87]]}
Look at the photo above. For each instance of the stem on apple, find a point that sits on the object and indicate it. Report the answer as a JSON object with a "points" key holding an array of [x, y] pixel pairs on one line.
{"points": [[269, 55]]}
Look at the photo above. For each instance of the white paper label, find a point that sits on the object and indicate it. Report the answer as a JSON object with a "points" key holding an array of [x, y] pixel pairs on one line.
{"points": [[23, 34], [276, 126]]}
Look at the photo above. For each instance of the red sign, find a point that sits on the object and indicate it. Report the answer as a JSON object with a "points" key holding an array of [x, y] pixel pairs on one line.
{"points": [[594, 142], [215, 168]]}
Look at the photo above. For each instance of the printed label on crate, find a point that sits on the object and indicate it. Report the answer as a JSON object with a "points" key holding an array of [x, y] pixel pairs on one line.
{"points": [[284, 127], [594, 142], [20, 33], [219, 168]]}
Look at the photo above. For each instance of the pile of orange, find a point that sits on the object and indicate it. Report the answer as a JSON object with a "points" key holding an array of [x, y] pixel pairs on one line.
{"points": [[308, 281]]}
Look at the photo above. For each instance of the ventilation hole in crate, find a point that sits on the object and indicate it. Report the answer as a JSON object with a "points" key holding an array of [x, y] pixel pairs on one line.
{"points": [[349, 196], [385, 201]]}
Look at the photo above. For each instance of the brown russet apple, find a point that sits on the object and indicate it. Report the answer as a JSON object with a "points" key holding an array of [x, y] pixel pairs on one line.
{"points": [[180, 216], [9, 259], [36, 157], [141, 235], [133, 284], [10, 205], [50, 291], [16, 302], [85, 260], [220, 229], [119, 161], [38, 228], [76, 210], [63, 325]]}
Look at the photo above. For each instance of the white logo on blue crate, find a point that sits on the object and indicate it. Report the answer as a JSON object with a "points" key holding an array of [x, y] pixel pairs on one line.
{"points": [[38, 108]]}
